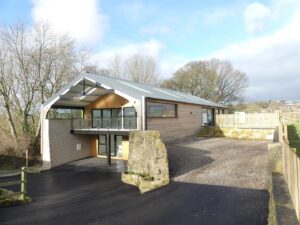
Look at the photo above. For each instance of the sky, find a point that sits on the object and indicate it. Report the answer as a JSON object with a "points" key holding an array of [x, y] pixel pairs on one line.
{"points": [[260, 38]]}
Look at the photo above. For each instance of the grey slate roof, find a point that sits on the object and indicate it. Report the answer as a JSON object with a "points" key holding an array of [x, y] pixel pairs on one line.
{"points": [[137, 90]]}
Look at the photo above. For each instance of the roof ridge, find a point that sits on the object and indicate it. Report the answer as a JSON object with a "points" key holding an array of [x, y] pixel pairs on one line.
{"points": [[187, 95], [122, 79], [151, 85]]}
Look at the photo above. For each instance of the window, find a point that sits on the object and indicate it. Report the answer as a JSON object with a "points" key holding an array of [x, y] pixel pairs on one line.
{"points": [[129, 118], [161, 109], [59, 113], [104, 118], [208, 117]]}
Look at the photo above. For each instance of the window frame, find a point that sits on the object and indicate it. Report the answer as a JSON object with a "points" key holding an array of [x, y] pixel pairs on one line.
{"points": [[212, 123], [102, 117], [133, 116], [66, 118], [162, 103]]}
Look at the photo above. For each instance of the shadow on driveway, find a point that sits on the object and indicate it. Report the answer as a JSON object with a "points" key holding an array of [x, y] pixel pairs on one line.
{"points": [[187, 160], [65, 196]]}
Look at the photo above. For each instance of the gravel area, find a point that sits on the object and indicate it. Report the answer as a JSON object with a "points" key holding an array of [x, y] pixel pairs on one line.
{"points": [[220, 161]]}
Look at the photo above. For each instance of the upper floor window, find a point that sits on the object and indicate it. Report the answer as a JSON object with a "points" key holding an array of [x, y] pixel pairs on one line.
{"points": [[129, 114], [156, 109], [60, 113]]}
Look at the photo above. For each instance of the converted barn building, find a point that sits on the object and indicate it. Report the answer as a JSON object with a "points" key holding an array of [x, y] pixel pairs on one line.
{"points": [[93, 115]]}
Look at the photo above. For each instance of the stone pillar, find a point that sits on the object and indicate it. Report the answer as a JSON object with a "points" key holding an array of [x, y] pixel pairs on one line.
{"points": [[147, 161]]}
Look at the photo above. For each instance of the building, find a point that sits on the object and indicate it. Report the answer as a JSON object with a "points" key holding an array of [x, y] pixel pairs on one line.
{"points": [[93, 115]]}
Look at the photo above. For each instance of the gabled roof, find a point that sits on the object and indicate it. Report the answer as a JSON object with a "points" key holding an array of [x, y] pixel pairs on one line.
{"points": [[129, 88]]}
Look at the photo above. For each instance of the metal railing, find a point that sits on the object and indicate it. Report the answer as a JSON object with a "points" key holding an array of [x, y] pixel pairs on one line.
{"points": [[23, 183], [125, 122]]}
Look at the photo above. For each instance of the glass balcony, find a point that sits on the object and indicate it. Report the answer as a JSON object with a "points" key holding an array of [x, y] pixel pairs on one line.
{"points": [[118, 123]]}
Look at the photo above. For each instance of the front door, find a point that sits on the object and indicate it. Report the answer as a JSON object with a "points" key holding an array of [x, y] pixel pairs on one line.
{"points": [[114, 142]]}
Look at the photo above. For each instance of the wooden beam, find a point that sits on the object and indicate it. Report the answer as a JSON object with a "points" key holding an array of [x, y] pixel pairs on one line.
{"points": [[79, 94], [70, 99], [66, 107], [89, 85]]}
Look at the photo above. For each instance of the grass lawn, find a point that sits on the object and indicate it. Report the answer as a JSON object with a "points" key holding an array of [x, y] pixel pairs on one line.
{"points": [[10, 198]]}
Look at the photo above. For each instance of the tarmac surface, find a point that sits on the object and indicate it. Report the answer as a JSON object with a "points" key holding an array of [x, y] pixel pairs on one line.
{"points": [[78, 194]]}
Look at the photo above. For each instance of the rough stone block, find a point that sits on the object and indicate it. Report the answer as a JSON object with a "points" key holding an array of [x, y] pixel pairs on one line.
{"points": [[147, 161]]}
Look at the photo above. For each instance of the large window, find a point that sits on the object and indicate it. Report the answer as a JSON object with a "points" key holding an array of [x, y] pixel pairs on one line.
{"points": [[208, 117], [112, 118], [129, 118], [59, 113], [104, 118], [155, 109]]}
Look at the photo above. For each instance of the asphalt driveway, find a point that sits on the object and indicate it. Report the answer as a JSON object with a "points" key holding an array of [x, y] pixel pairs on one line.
{"points": [[73, 195]]}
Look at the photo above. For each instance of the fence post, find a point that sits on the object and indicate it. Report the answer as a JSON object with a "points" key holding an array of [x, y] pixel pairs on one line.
{"points": [[23, 183], [26, 157], [280, 133], [286, 134]]}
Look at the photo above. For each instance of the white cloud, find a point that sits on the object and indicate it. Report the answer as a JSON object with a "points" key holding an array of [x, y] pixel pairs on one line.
{"points": [[168, 64], [271, 62], [80, 18], [152, 47], [256, 16]]}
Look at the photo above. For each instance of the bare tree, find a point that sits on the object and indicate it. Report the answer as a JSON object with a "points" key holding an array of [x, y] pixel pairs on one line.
{"points": [[35, 62], [137, 68], [6, 92], [213, 79], [116, 66]]}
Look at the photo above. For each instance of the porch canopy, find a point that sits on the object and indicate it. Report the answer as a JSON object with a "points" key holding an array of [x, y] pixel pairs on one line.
{"points": [[80, 94]]}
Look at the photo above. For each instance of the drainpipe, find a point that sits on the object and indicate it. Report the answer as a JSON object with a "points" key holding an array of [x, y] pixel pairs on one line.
{"points": [[143, 114]]}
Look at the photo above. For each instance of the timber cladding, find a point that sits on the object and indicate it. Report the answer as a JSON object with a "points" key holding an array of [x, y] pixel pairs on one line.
{"points": [[187, 122], [106, 101]]}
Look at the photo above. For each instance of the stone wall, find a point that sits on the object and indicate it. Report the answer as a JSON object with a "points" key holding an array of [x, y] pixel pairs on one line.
{"points": [[252, 134], [281, 209], [147, 161]]}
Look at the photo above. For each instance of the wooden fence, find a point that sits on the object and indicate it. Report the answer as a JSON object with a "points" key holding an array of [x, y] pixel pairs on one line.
{"points": [[291, 168], [290, 117], [243, 120], [22, 182]]}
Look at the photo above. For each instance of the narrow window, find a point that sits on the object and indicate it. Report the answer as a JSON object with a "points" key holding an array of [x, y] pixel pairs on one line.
{"points": [[129, 114], [208, 117]]}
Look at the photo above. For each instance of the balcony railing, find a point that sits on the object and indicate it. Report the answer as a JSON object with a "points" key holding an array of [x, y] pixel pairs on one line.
{"points": [[119, 123]]}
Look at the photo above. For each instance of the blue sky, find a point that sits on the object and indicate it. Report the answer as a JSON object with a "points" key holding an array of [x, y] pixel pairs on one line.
{"points": [[260, 38]]}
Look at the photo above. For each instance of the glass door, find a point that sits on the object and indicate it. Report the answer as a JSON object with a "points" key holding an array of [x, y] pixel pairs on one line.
{"points": [[96, 118], [118, 146], [106, 115], [102, 145], [116, 121], [129, 118], [113, 141]]}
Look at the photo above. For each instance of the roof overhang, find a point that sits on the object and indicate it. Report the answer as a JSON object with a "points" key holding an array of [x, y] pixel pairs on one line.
{"points": [[80, 94]]}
